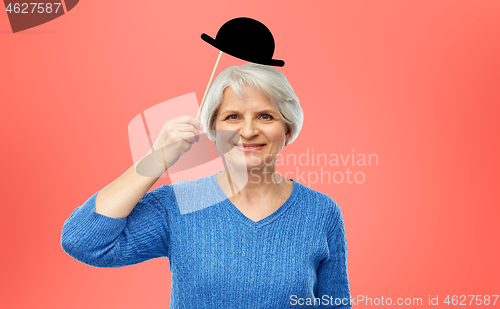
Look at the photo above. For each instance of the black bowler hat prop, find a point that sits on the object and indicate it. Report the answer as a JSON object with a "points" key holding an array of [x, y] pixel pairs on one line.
{"points": [[247, 39], [244, 38]]}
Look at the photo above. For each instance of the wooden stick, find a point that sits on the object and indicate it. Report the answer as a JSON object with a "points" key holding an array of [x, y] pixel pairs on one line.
{"points": [[229, 180], [202, 101], [208, 86]]}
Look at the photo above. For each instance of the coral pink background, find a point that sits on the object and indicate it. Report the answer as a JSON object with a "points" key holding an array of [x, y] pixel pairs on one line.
{"points": [[415, 82]]}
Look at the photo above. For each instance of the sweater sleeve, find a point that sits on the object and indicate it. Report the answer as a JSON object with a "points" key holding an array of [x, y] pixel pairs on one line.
{"points": [[333, 280], [101, 241]]}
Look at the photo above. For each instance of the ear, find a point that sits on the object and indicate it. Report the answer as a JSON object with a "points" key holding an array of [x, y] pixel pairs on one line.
{"points": [[287, 135]]}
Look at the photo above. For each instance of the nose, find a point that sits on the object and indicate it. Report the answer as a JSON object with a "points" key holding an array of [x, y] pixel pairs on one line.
{"points": [[248, 129]]}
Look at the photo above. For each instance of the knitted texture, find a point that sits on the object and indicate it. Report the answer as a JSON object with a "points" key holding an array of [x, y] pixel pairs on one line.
{"points": [[219, 258]]}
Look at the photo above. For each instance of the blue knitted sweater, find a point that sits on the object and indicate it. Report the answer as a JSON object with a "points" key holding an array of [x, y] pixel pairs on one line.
{"points": [[219, 258]]}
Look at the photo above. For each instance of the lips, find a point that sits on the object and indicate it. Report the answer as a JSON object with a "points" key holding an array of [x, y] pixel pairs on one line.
{"points": [[249, 145]]}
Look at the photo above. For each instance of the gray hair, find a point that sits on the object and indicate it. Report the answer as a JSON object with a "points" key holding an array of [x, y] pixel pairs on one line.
{"points": [[268, 81]]}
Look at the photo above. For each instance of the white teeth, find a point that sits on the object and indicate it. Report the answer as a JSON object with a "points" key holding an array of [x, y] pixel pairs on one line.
{"points": [[250, 146]]}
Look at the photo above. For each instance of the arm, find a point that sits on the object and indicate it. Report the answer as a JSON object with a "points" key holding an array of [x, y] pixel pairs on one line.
{"points": [[333, 280], [97, 240], [122, 224], [119, 225]]}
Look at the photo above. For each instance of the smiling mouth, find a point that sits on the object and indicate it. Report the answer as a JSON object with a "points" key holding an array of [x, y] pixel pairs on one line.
{"points": [[249, 146]]}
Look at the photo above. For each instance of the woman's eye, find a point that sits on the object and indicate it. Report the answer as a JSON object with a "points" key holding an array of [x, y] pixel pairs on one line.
{"points": [[264, 116], [267, 117]]}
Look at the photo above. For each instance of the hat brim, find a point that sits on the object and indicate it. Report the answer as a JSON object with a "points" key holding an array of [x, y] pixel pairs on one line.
{"points": [[213, 42]]}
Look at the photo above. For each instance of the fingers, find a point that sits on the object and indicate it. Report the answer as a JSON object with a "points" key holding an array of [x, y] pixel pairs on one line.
{"points": [[188, 120], [189, 128], [188, 137]]}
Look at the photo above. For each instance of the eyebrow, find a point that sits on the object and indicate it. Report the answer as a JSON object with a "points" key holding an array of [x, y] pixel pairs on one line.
{"points": [[265, 111]]}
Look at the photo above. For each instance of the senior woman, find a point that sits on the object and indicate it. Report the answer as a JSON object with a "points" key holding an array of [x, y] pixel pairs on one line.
{"points": [[245, 237]]}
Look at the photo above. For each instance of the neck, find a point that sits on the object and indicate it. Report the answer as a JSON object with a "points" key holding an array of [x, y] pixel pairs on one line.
{"points": [[251, 183]]}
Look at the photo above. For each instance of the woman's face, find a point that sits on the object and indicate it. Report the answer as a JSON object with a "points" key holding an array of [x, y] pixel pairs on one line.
{"points": [[249, 122]]}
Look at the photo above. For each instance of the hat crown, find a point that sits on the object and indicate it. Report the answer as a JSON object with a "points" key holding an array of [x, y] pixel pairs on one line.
{"points": [[247, 38]]}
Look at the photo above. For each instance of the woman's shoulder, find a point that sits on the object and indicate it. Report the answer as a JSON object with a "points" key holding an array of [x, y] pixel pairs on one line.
{"points": [[318, 199], [321, 205]]}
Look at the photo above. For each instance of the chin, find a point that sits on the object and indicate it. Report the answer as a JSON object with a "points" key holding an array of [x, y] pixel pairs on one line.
{"points": [[247, 164]]}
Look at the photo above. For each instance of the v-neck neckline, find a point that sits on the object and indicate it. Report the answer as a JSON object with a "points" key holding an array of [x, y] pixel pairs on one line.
{"points": [[235, 211]]}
